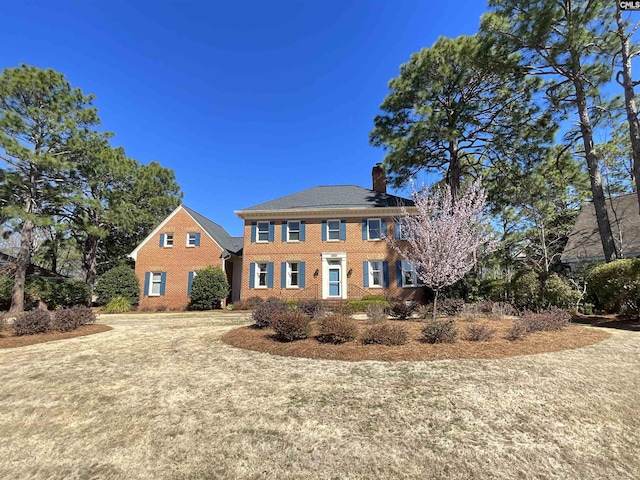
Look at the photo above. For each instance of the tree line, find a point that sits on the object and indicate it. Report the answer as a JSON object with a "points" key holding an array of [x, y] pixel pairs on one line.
{"points": [[521, 104], [61, 180]]}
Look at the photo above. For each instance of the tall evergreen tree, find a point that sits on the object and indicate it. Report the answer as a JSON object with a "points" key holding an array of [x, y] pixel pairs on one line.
{"points": [[40, 115], [455, 107], [567, 41]]}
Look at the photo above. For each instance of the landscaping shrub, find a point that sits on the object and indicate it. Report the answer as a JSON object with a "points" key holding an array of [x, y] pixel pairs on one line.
{"points": [[557, 292], [440, 331], [291, 325], [248, 303], [311, 308], [500, 310], [526, 288], [550, 320], [56, 292], [343, 308], [208, 288], [615, 286], [480, 333], [337, 329], [31, 323], [361, 305], [266, 311], [376, 312], [401, 310], [6, 288], [67, 319], [386, 334], [450, 307], [517, 331], [118, 305], [469, 313], [118, 282], [493, 289]]}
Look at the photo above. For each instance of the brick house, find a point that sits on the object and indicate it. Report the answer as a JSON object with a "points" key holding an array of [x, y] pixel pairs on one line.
{"points": [[185, 242], [323, 242], [327, 243]]}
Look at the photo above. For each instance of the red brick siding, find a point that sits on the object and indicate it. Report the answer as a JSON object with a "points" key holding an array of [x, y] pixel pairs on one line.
{"points": [[176, 261], [310, 251]]}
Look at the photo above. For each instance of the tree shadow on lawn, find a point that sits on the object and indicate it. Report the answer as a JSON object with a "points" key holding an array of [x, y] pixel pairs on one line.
{"points": [[619, 322]]}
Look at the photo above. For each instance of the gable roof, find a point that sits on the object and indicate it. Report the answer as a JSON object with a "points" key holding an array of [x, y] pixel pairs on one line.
{"points": [[584, 242], [329, 198], [219, 235], [8, 267]]}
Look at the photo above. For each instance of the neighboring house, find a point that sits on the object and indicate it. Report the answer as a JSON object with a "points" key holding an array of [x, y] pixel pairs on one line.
{"points": [[8, 267], [584, 244], [185, 242], [326, 243]]}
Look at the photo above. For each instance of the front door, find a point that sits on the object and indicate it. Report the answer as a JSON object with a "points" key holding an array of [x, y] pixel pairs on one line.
{"points": [[335, 282]]}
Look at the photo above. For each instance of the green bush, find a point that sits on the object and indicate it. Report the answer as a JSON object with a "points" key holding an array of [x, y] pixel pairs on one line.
{"points": [[494, 289], [6, 288], [558, 293], [361, 305], [118, 282], [266, 311], [291, 325], [56, 292], [208, 288], [615, 286], [67, 319], [32, 323], [440, 331], [118, 304], [525, 290], [337, 329], [386, 333]]}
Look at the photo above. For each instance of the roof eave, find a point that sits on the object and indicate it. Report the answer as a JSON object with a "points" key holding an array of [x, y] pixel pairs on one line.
{"points": [[322, 212]]}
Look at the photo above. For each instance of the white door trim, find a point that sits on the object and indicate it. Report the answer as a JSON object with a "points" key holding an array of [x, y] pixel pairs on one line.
{"points": [[335, 257]]}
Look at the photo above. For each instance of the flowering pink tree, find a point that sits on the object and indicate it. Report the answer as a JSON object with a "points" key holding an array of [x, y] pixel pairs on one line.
{"points": [[442, 240]]}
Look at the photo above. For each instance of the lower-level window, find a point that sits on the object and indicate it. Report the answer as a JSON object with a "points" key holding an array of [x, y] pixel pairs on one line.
{"points": [[261, 274], [409, 278], [293, 274], [375, 274], [155, 283]]}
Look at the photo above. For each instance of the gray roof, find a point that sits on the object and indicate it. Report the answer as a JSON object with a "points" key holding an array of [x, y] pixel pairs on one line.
{"points": [[219, 234], [584, 242], [331, 197]]}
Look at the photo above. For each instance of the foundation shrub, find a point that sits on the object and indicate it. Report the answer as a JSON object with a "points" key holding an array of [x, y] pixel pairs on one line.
{"points": [[32, 323], [343, 308], [118, 282], [480, 333], [266, 311], [337, 329], [118, 304], [291, 325], [615, 286], [208, 288], [518, 331], [440, 331], [386, 333], [376, 312], [401, 310], [311, 308], [248, 303], [361, 305]]}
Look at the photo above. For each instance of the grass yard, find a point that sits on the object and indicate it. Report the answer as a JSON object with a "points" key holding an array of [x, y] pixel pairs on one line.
{"points": [[161, 397]]}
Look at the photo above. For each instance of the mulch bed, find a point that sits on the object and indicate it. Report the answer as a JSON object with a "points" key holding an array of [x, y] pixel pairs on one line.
{"points": [[540, 342], [7, 340]]}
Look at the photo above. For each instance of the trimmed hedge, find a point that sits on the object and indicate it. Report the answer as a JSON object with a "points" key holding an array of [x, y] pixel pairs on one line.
{"points": [[208, 288]]}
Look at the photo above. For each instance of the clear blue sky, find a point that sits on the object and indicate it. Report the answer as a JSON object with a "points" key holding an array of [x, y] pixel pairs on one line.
{"points": [[246, 101]]}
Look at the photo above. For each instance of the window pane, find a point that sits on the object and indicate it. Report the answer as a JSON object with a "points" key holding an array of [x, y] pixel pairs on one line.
{"points": [[262, 274], [168, 240], [156, 280], [294, 231], [334, 230], [374, 229], [191, 240], [376, 274], [263, 231]]}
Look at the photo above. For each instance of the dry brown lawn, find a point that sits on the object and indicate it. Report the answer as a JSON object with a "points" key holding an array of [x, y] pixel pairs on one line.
{"points": [[161, 397]]}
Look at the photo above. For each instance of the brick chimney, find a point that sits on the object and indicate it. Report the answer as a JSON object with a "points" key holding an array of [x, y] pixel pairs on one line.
{"points": [[379, 178]]}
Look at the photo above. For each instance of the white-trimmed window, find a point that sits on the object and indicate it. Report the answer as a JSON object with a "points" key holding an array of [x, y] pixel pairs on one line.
{"points": [[375, 273], [168, 240], [374, 229], [293, 274], [400, 229], [193, 239], [409, 276], [293, 231], [262, 231], [262, 274], [155, 284], [333, 230]]}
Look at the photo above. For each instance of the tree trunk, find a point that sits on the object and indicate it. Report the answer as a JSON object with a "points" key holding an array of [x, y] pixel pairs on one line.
{"points": [[90, 260], [435, 304], [629, 99], [22, 263], [454, 172], [602, 217]]}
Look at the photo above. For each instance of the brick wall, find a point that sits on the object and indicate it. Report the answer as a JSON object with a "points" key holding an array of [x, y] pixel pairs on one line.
{"points": [[310, 251], [177, 261]]}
